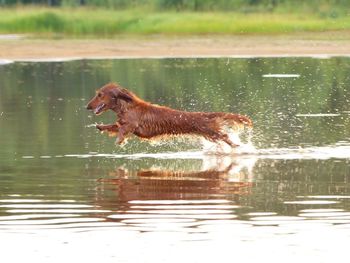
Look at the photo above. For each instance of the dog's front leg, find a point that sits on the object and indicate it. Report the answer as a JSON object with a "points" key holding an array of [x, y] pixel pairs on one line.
{"points": [[112, 129]]}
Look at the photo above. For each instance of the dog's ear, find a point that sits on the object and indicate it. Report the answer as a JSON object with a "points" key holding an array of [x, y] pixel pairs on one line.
{"points": [[122, 94], [125, 95]]}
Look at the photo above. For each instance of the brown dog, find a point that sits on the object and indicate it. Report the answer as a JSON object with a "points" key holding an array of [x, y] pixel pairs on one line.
{"points": [[147, 121]]}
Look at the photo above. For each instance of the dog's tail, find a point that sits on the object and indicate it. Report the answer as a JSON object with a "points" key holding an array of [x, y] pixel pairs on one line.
{"points": [[237, 120]]}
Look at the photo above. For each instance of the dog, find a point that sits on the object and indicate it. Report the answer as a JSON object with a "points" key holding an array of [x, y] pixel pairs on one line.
{"points": [[149, 121]]}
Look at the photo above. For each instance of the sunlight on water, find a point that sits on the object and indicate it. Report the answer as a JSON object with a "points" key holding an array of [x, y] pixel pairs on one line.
{"points": [[318, 115], [281, 76], [5, 61], [219, 151], [176, 202]]}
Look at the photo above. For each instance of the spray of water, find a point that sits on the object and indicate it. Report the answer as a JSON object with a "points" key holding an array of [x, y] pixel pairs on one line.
{"points": [[242, 138], [246, 148]]}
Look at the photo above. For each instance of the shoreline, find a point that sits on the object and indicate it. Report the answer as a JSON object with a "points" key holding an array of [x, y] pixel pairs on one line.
{"points": [[318, 45], [67, 59]]}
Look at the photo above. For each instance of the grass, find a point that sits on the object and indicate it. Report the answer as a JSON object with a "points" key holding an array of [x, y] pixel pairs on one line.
{"points": [[81, 22]]}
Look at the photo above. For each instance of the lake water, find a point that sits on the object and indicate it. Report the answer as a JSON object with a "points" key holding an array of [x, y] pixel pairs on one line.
{"points": [[68, 193]]}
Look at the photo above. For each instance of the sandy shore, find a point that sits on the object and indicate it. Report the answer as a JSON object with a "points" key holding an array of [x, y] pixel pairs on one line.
{"points": [[156, 46]]}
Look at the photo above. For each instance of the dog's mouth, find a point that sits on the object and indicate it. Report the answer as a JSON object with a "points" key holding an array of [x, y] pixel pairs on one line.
{"points": [[99, 109]]}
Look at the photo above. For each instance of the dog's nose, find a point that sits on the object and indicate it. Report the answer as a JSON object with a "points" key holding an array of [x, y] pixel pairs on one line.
{"points": [[88, 107]]}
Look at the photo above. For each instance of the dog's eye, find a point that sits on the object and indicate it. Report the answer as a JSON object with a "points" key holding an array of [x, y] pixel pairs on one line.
{"points": [[99, 95]]}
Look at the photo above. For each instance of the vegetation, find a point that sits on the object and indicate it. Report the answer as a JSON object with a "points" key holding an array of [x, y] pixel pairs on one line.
{"points": [[320, 6], [111, 17], [103, 22]]}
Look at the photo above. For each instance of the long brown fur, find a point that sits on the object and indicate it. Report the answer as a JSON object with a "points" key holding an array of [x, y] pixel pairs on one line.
{"points": [[148, 121]]}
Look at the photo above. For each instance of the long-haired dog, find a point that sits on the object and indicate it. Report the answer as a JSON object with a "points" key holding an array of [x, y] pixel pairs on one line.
{"points": [[148, 121]]}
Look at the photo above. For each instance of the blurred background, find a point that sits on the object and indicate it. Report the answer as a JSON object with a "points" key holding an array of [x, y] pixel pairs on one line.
{"points": [[111, 17]]}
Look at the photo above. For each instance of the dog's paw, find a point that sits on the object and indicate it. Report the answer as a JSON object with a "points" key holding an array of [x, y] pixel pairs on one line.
{"points": [[112, 134], [100, 127], [120, 142]]}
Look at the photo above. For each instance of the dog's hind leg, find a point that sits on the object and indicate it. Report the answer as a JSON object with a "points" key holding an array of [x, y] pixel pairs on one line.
{"points": [[216, 136], [225, 138]]}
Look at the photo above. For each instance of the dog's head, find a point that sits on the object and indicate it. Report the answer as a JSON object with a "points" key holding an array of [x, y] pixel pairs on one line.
{"points": [[107, 98]]}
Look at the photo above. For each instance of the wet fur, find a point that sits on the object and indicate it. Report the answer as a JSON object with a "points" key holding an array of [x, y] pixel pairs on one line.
{"points": [[149, 121]]}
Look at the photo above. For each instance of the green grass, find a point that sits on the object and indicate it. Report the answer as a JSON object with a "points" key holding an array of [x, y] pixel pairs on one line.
{"points": [[82, 22]]}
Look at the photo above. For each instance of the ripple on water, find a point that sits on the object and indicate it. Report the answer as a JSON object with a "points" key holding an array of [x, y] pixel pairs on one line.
{"points": [[275, 220], [174, 215], [35, 214], [310, 202], [326, 196]]}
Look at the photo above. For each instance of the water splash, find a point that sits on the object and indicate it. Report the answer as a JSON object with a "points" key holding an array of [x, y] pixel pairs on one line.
{"points": [[245, 145], [220, 153], [93, 125]]}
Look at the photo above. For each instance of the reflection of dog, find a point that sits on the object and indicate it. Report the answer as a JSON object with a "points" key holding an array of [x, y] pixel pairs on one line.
{"points": [[147, 120], [172, 185]]}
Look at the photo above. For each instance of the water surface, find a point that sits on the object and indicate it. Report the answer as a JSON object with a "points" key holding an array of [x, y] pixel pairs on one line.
{"points": [[67, 192]]}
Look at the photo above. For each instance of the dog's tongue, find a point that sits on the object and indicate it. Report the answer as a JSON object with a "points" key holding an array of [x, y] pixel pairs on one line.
{"points": [[99, 108]]}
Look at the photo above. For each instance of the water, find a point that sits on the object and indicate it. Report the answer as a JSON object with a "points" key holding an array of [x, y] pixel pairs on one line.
{"points": [[68, 193]]}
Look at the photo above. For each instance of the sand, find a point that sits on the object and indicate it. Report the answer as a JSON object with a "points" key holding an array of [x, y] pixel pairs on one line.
{"points": [[327, 44]]}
